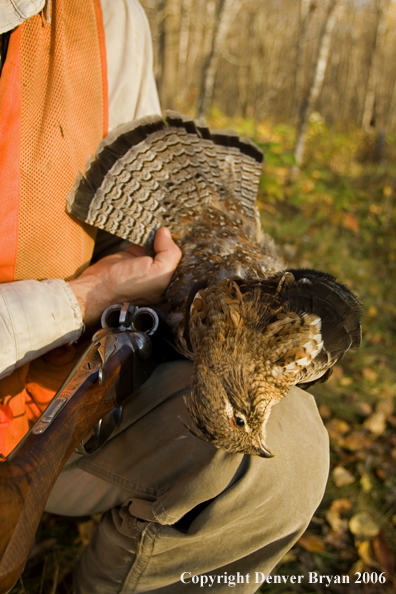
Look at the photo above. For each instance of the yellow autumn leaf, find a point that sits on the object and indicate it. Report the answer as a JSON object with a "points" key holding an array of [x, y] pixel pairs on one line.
{"points": [[337, 523], [337, 427], [366, 482], [365, 553], [388, 191], [311, 543], [376, 423], [346, 381], [370, 374], [363, 524], [342, 476]]}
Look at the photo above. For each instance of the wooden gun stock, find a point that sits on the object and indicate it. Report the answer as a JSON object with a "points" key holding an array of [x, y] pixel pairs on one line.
{"points": [[113, 367]]}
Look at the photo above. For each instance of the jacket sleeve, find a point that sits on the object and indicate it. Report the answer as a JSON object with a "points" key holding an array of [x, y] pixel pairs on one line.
{"points": [[35, 317], [131, 84]]}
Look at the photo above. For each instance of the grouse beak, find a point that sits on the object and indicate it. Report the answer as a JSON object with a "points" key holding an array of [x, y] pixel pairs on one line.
{"points": [[264, 451]]}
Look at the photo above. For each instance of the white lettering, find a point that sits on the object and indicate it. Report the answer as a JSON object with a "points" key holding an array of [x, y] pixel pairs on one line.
{"points": [[260, 577], [313, 577], [182, 577]]}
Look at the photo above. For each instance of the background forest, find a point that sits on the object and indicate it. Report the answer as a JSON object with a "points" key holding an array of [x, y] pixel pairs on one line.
{"points": [[314, 84]]}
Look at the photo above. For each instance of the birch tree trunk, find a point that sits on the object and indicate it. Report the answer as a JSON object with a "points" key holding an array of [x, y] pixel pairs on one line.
{"points": [[226, 12], [184, 43], [305, 12], [316, 81], [368, 111], [168, 52]]}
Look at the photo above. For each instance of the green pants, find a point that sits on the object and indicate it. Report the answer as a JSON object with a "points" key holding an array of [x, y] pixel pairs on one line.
{"points": [[177, 507]]}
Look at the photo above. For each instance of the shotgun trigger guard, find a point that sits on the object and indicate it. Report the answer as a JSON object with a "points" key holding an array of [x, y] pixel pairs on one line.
{"points": [[102, 431]]}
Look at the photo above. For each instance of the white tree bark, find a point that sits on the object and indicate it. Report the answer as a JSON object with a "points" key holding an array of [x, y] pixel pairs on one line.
{"points": [[226, 12], [316, 81], [305, 13], [184, 43]]}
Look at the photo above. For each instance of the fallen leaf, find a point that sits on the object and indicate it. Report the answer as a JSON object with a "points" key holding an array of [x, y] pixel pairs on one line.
{"points": [[340, 505], [366, 482], [337, 374], [383, 553], [370, 374], [363, 524], [355, 441], [86, 530], [388, 191], [337, 428], [311, 543], [365, 553], [386, 407], [364, 408], [350, 222], [346, 381], [324, 411], [342, 476], [381, 474], [376, 209], [357, 567], [337, 523], [376, 423], [308, 186]]}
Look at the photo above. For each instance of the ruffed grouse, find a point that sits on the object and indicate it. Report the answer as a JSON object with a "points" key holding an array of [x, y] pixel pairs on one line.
{"points": [[252, 328]]}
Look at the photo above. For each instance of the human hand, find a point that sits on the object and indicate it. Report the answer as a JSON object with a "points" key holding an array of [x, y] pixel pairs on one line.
{"points": [[130, 275]]}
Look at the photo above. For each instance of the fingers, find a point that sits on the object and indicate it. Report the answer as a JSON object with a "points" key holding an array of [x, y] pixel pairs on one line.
{"points": [[167, 252], [136, 250]]}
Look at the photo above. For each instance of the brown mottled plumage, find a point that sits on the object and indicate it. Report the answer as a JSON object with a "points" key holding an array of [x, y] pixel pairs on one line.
{"points": [[252, 328]]}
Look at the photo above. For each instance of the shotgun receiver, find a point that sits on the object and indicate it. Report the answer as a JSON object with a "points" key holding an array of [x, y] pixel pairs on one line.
{"points": [[116, 363]]}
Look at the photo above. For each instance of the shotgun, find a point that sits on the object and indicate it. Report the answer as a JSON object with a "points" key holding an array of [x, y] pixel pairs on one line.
{"points": [[116, 363]]}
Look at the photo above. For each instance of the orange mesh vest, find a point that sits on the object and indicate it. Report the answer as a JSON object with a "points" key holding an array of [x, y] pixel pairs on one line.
{"points": [[53, 114]]}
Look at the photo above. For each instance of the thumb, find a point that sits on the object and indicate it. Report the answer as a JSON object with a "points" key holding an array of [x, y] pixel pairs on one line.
{"points": [[167, 252]]}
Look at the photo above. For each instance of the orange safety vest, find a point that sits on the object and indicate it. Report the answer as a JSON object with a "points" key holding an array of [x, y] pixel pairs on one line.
{"points": [[53, 114]]}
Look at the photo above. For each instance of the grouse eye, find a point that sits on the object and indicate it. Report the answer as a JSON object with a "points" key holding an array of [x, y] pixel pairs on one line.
{"points": [[237, 422]]}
